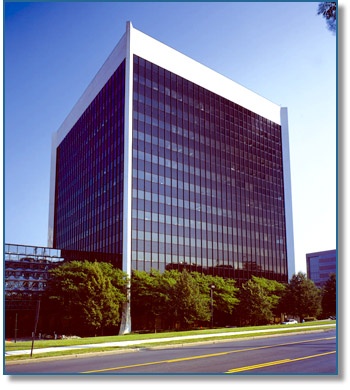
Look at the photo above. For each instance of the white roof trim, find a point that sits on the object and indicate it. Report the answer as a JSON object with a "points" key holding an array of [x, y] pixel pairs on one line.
{"points": [[164, 56]]}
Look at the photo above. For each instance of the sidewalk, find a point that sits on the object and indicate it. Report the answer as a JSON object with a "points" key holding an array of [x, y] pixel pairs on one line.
{"points": [[149, 341]]}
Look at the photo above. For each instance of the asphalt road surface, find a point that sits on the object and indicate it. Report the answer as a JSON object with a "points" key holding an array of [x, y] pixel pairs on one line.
{"points": [[304, 354]]}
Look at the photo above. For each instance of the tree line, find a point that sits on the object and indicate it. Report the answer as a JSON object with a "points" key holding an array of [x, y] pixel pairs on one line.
{"points": [[86, 298]]}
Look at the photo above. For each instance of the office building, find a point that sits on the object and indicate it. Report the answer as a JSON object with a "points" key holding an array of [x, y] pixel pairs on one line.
{"points": [[27, 271], [27, 267], [320, 265], [168, 164]]}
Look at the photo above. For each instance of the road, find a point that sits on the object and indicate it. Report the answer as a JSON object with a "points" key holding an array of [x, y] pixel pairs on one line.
{"points": [[307, 353]]}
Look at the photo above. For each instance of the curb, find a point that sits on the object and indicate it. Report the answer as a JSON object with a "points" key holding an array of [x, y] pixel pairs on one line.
{"points": [[137, 343]]}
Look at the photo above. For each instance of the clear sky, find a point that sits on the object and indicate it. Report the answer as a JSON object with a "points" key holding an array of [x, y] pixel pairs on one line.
{"points": [[280, 50]]}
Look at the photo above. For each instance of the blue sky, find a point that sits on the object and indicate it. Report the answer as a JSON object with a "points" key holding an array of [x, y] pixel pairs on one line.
{"points": [[280, 50]]}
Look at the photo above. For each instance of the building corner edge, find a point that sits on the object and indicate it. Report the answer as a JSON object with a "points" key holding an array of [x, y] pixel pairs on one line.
{"points": [[287, 193], [125, 326]]}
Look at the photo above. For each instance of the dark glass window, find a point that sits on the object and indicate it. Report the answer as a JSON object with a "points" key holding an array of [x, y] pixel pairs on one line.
{"points": [[214, 174], [89, 175]]}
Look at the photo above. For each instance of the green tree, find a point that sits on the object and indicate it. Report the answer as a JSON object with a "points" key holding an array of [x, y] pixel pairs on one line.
{"points": [[141, 290], [259, 298], [224, 295], [329, 297], [149, 297], [187, 304], [157, 296], [168, 282], [302, 297], [86, 297], [275, 292], [328, 10]]}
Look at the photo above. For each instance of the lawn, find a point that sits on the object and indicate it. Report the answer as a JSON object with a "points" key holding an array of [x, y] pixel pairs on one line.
{"points": [[25, 345]]}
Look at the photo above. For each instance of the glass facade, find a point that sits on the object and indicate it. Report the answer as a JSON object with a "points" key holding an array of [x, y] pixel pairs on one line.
{"points": [[320, 266], [26, 275], [89, 175], [27, 269], [207, 181]]}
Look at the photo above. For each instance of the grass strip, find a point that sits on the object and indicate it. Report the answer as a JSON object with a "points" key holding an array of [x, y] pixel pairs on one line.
{"points": [[204, 332], [11, 346]]}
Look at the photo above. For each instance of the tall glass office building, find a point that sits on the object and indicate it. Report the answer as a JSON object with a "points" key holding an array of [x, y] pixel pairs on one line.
{"points": [[168, 164]]}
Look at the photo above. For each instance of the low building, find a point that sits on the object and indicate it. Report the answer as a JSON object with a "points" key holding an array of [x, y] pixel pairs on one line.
{"points": [[27, 268], [26, 275], [320, 265]]}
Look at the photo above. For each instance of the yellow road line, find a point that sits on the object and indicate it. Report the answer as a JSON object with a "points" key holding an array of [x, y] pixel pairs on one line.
{"points": [[255, 366], [160, 362], [202, 356], [275, 363]]}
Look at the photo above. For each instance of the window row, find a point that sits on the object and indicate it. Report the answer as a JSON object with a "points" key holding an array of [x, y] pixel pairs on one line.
{"points": [[192, 200], [159, 79], [157, 106], [184, 188], [207, 149], [167, 166], [148, 221], [165, 124], [208, 254]]}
